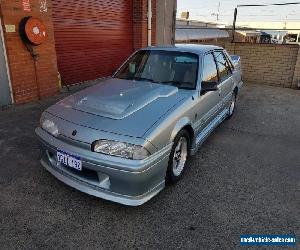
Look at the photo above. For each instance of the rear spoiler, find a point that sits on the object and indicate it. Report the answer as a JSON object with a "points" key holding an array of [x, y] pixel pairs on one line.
{"points": [[236, 60]]}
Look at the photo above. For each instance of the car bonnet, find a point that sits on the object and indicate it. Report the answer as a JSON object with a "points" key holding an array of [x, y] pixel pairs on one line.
{"points": [[119, 106]]}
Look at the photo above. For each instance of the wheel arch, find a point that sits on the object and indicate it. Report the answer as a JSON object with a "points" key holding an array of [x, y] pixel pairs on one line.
{"points": [[186, 124], [236, 90]]}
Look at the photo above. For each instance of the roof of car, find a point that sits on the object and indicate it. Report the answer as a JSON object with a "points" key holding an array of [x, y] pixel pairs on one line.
{"points": [[193, 48]]}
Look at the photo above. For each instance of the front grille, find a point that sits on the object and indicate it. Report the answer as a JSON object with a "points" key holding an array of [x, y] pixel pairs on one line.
{"points": [[85, 174]]}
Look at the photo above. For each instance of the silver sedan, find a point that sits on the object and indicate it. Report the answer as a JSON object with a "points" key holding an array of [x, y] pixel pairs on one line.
{"points": [[124, 138]]}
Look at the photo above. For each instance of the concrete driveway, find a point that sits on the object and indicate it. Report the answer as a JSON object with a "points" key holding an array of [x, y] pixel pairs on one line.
{"points": [[245, 179]]}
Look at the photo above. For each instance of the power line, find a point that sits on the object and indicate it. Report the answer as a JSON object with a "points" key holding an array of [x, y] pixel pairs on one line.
{"points": [[263, 5], [269, 14], [257, 5], [238, 28]]}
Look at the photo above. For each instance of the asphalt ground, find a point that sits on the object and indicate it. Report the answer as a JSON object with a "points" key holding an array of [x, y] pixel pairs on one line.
{"points": [[245, 179]]}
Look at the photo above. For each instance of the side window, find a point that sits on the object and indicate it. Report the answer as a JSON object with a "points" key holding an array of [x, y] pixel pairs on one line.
{"points": [[210, 72], [229, 60], [223, 66]]}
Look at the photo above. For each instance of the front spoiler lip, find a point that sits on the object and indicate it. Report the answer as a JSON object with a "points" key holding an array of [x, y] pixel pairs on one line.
{"points": [[101, 193]]}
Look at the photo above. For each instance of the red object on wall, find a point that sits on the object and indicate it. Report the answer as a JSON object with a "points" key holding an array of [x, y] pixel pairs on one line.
{"points": [[92, 38], [21, 66], [35, 31]]}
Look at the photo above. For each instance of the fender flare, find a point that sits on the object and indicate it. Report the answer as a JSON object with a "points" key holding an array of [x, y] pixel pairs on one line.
{"points": [[235, 86], [184, 121]]}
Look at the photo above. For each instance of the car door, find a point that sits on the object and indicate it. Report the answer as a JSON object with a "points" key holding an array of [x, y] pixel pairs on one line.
{"points": [[208, 103], [225, 78]]}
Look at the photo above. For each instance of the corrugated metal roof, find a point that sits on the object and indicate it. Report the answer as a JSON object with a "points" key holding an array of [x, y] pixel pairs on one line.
{"points": [[185, 34]]}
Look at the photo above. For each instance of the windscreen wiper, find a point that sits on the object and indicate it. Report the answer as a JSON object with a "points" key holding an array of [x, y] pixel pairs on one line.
{"points": [[136, 78], [177, 83], [142, 79]]}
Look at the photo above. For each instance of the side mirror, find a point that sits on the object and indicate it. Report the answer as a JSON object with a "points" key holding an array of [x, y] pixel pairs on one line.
{"points": [[209, 86]]}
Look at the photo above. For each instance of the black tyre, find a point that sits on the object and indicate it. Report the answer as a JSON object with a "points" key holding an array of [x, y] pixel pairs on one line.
{"points": [[232, 104], [178, 157]]}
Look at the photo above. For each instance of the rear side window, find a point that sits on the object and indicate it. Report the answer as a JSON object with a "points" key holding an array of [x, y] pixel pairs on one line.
{"points": [[229, 60], [210, 72], [223, 66]]}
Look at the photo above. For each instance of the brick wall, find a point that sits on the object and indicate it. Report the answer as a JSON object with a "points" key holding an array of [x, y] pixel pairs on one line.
{"points": [[270, 64], [21, 65], [20, 62], [140, 23], [296, 78]]}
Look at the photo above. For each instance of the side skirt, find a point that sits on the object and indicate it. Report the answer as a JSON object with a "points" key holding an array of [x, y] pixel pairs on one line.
{"points": [[208, 130]]}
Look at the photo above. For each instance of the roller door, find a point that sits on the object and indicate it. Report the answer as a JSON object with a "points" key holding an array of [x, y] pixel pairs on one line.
{"points": [[92, 37]]}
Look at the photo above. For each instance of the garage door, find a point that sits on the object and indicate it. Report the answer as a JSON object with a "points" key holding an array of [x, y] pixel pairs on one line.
{"points": [[92, 38]]}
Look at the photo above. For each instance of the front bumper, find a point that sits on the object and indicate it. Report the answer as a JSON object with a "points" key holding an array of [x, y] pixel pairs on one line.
{"points": [[124, 181]]}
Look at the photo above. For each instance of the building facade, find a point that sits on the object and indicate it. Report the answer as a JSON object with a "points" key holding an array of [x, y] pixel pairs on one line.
{"points": [[85, 40]]}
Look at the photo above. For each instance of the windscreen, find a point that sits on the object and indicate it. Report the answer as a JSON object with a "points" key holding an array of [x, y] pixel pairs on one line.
{"points": [[163, 67]]}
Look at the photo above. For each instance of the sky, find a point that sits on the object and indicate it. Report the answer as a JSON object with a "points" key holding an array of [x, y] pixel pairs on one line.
{"points": [[207, 10]]}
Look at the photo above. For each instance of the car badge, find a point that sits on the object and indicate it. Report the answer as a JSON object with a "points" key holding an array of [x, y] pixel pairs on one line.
{"points": [[74, 132]]}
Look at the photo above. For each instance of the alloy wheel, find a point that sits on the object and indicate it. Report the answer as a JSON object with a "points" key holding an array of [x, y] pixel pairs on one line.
{"points": [[180, 156], [232, 104]]}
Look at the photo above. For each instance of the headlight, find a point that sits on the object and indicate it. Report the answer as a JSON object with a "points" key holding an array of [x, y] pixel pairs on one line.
{"points": [[120, 149], [49, 126]]}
